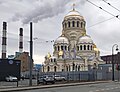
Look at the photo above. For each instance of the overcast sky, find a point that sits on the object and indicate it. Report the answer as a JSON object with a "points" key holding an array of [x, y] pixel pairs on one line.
{"points": [[47, 17]]}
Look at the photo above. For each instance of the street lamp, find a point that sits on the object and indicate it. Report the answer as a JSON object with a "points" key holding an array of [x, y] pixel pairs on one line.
{"points": [[113, 59]]}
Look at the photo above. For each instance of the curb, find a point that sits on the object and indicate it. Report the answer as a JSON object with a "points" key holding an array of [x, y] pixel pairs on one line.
{"points": [[49, 86]]}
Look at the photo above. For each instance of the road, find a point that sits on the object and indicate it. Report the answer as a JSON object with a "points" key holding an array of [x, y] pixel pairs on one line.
{"points": [[102, 87], [21, 83]]}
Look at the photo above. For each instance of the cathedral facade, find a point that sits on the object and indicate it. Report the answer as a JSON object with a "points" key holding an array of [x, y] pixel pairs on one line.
{"points": [[74, 50]]}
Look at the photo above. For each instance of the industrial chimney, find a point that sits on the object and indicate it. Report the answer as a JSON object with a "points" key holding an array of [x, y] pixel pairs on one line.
{"points": [[21, 40], [4, 40]]}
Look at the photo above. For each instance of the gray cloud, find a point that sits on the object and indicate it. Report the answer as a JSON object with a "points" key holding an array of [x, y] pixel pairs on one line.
{"points": [[16, 17], [42, 11]]}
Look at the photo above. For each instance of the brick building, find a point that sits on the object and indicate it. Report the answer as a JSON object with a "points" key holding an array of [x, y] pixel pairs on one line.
{"points": [[24, 57], [108, 58]]}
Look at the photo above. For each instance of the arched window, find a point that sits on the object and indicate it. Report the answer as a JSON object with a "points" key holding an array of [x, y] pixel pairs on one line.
{"points": [[55, 68], [88, 47], [68, 23], [67, 68], [68, 48], [84, 47], [84, 24], [73, 66], [61, 47], [73, 23], [55, 48], [91, 47], [80, 47], [51, 60], [79, 68], [48, 68], [81, 24], [65, 25], [77, 23], [65, 47], [58, 48], [77, 48], [76, 68], [54, 59]]}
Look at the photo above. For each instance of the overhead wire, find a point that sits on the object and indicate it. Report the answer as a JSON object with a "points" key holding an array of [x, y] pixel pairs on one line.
{"points": [[103, 9], [100, 22], [111, 5]]}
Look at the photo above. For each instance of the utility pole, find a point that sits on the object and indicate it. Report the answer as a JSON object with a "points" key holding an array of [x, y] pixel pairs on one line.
{"points": [[31, 55], [113, 60]]}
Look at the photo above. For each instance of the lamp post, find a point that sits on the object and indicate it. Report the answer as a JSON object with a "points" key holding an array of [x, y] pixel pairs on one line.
{"points": [[113, 59]]}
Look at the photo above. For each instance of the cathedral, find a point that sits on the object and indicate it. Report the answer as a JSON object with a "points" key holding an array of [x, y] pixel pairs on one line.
{"points": [[74, 50]]}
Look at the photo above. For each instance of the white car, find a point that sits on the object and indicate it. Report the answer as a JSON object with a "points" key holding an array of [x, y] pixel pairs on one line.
{"points": [[11, 79], [59, 78]]}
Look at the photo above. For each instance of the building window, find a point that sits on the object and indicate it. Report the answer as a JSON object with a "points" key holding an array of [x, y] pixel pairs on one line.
{"points": [[68, 24], [73, 23], [73, 66], [58, 48], [77, 23], [84, 24], [65, 25], [48, 68], [61, 47], [55, 68], [88, 47], [76, 68], [80, 47], [55, 48], [68, 48], [84, 47], [51, 60], [67, 68], [91, 47], [79, 68], [54, 60], [81, 24], [77, 48], [65, 47]]}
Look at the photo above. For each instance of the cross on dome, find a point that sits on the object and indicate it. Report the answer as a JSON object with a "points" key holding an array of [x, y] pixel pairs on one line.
{"points": [[73, 7]]}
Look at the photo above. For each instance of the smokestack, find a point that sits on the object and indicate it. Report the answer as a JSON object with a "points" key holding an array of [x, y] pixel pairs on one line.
{"points": [[21, 40], [4, 40]]}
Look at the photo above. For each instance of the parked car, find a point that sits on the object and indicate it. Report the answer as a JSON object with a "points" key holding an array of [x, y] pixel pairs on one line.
{"points": [[11, 78], [46, 79], [22, 77], [59, 78]]}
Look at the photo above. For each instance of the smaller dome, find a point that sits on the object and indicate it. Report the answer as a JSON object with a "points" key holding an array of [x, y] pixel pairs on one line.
{"points": [[60, 53], [61, 39], [85, 39], [79, 57], [96, 49], [91, 58]]}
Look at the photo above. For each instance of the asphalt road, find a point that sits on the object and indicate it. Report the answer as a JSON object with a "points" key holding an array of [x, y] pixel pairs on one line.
{"points": [[101, 87], [14, 84]]}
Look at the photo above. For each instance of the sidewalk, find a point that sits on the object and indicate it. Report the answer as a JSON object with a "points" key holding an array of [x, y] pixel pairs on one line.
{"points": [[49, 86]]}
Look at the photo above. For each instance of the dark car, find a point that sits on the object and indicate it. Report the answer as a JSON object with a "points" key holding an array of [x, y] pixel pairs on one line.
{"points": [[46, 79]]}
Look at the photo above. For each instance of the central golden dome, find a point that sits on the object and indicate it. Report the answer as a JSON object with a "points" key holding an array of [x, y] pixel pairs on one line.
{"points": [[74, 13]]}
